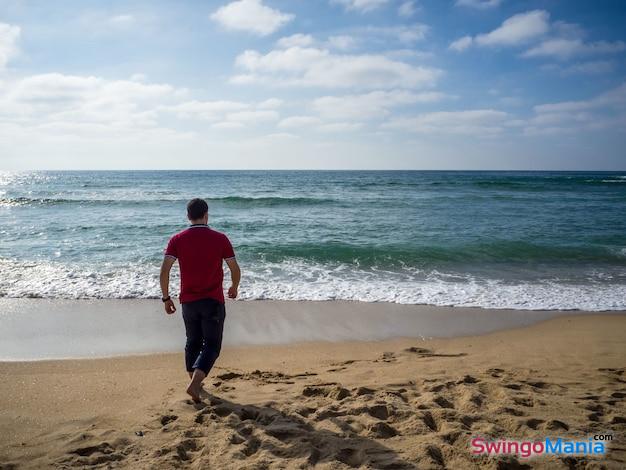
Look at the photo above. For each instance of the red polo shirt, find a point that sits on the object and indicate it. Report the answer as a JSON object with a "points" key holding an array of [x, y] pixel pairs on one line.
{"points": [[200, 251]]}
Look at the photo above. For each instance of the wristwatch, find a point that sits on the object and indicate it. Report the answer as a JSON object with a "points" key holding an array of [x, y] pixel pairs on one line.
{"points": [[167, 298]]}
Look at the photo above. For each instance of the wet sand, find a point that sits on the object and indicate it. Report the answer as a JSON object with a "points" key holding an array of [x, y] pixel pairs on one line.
{"points": [[58, 329], [395, 403]]}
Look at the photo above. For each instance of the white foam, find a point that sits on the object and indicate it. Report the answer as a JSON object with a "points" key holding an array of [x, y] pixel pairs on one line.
{"points": [[299, 280]]}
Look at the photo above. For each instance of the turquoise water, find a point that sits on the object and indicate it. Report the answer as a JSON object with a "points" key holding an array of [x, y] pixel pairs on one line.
{"points": [[529, 240]]}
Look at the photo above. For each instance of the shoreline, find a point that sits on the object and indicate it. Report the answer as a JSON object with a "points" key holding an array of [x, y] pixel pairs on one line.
{"points": [[40, 329], [394, 403]]}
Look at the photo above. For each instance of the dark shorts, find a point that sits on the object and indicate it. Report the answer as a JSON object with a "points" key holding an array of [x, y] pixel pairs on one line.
{"points": [[204, 325]]}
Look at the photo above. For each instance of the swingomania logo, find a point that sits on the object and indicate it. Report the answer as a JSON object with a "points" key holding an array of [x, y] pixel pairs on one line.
{"points": [[595, 445]]}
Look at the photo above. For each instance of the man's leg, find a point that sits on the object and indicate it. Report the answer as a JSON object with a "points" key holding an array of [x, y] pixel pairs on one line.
{"points": [[193, 331], [212, 330]]}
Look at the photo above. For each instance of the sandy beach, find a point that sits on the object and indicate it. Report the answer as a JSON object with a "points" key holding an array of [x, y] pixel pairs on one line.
{"points": [[394, 403]]}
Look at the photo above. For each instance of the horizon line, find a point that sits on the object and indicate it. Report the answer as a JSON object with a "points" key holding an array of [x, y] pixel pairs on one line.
{"points": [[317, 169]]}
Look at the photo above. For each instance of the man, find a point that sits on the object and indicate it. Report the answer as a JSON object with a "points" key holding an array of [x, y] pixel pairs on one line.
{"points": [[200, 252]]}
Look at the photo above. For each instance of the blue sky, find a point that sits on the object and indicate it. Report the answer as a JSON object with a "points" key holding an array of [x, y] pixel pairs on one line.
{"points": [[337, 84]]}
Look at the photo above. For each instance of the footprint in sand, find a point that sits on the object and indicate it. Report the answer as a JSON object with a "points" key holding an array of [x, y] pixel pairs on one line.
{"points": [[435, 455], [387, 357], [334, 391], [100, 454], [429, 421], [495, 372], [375, 411], [538, 384], [443, 402], [595, 417], [512, 411], [185, 447], [451, 437], [382, 430], [229, 376], [363, 391], [556, 425], [596, 407], [468, 379], [167, 419], [468, 421], [251, 446], [524, 401], [422, 352], [533, 423]]}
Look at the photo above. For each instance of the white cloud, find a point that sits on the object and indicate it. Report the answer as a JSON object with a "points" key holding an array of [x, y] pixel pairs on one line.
{"points": [[281, 136], [205, 110], [341, 42], [226, 111], [611, 99], [567, 30], [295, 122], [376, 104], [479, 4], [138, 77], [558, 40], [601, 112], [251, 16], [461, 44], [122, 20], [295, 40], [518, 29], [88, 94], [563, 49], [318, 67], [95, 22], [9, 34], [271, 103], [361, 6], [58, 106], [227, 125], [253, 117], [340, 127], [478, 122], [407, 9]]}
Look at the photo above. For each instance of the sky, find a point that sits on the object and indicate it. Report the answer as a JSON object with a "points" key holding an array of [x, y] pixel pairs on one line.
{"points": [[313, 84]]}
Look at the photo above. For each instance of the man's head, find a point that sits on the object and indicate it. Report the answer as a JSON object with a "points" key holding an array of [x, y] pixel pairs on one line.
{"points": [[198, 211]]}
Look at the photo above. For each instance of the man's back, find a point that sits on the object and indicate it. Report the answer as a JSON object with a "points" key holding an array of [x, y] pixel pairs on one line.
{"points": [[200, 251]]}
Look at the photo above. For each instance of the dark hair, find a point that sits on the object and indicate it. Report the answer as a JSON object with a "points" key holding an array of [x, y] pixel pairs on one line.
{"points": [[196, 208]]}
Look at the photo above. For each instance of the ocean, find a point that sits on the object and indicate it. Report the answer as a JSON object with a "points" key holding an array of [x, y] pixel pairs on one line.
{"points": [[522, 240]]}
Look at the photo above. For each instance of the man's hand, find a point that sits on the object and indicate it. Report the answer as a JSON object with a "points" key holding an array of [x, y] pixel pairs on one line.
{"points": [[169, 306], [164, 279], [235, 276]]}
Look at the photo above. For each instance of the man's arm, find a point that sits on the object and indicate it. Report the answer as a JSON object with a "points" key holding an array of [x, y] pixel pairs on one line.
{"points": [[166, 267], [235, 277]]}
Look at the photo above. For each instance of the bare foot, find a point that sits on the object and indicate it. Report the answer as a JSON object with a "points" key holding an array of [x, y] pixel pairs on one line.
{"points": [[194, 392]]}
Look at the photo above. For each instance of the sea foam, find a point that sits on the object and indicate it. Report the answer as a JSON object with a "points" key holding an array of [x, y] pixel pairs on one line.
{"points": [[298, 280]]}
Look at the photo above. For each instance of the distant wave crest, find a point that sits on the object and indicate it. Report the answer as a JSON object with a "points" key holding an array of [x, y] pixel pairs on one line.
{"points": [[226, 200]]}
